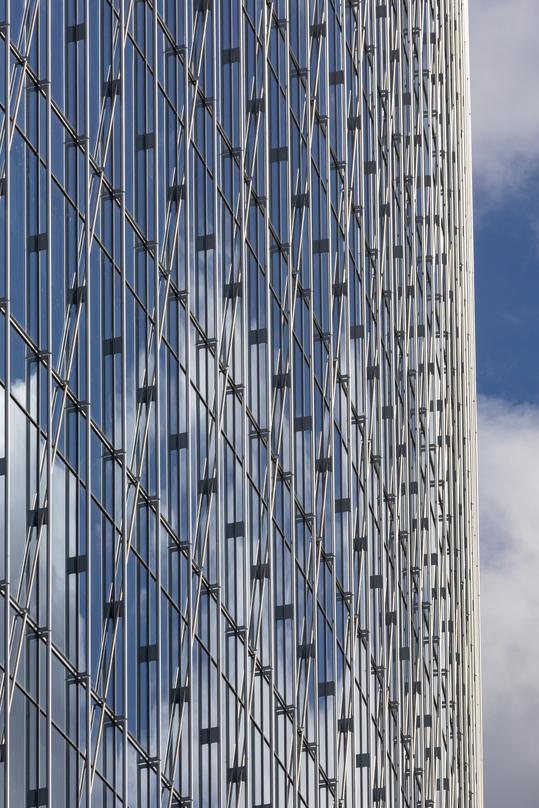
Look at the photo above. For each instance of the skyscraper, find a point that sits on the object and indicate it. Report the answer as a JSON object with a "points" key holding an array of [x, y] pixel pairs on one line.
{"points": [[238, 541]]}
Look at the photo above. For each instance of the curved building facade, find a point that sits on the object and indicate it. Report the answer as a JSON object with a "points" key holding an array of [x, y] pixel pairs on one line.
{"points": [[238, 510]]}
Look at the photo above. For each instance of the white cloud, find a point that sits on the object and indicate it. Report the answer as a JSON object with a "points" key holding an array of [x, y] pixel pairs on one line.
{"points": [[504, 57], [509, 532]]}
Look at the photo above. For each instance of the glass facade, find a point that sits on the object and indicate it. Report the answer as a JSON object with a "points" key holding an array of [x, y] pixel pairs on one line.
{"points": [[238, 546]]}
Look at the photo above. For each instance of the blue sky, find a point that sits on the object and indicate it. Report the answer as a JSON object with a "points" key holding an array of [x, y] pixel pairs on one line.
{"points": [[507, 294], [505, 131]]}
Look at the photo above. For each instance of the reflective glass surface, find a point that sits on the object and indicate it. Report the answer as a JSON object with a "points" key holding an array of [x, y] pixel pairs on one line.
{"points": [[238, 547]]}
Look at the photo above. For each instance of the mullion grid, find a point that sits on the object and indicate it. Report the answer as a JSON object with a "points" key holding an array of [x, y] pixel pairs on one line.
{"points": [[377, 418]]}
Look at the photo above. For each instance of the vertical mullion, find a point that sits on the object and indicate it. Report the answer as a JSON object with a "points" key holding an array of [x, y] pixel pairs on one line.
{"points": [[124, 533], [313, 561], [248, 516], [49, 451], [329, 385], [88, 433], [7, 453], [350, 644], [157, 369], [468, 248], [217, 313], [269, 348], [190, 631], [292, 282], [364, 465]]}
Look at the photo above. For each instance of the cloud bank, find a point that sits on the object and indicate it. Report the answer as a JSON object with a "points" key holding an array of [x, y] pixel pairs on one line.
{"points": [[509, 533], [504, 56]]}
